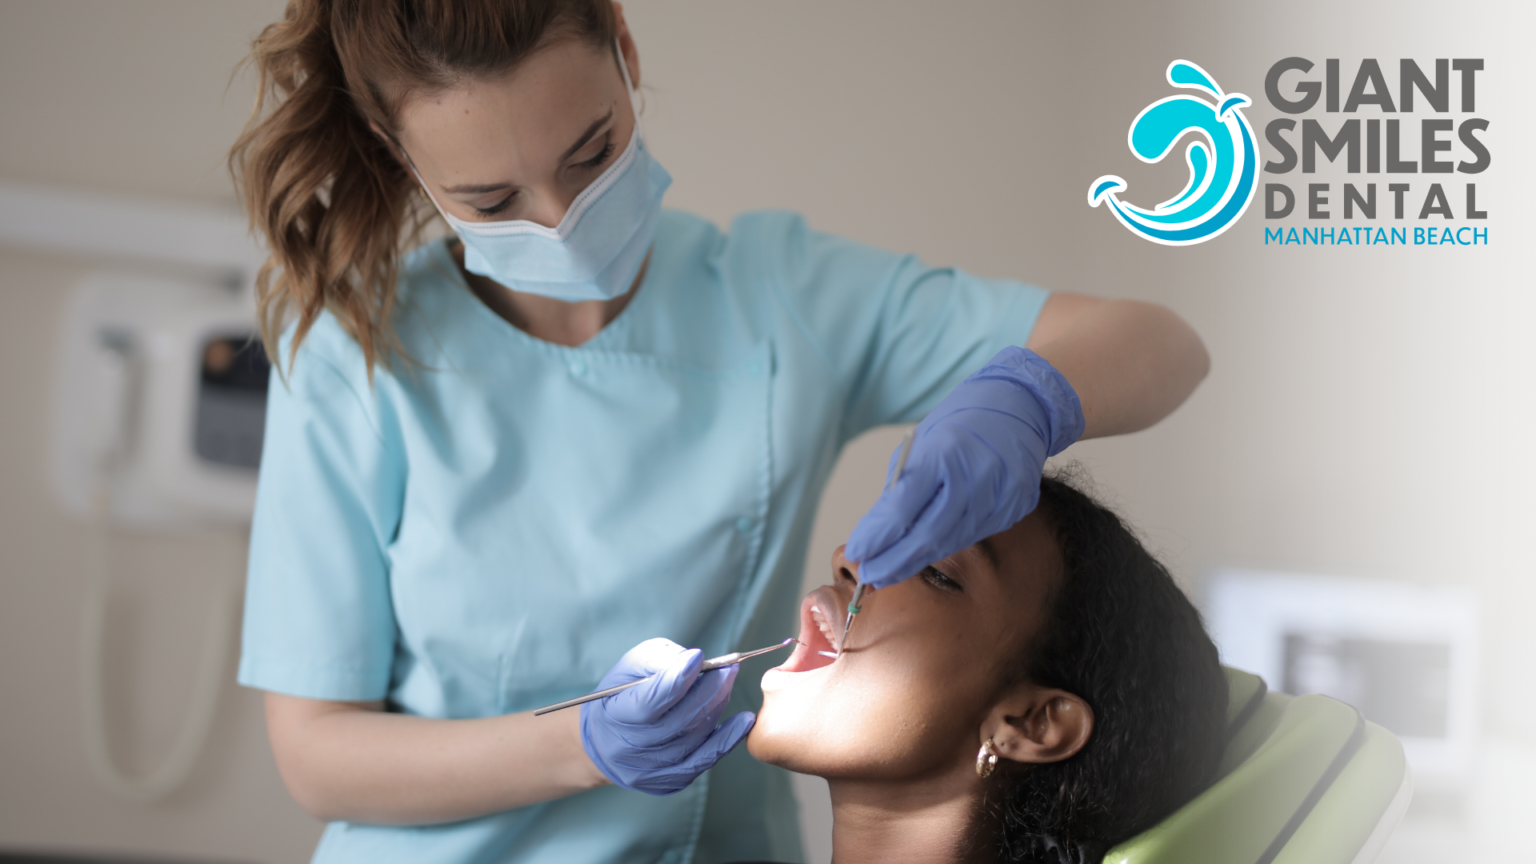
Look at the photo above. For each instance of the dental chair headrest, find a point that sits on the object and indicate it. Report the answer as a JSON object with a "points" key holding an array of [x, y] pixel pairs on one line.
{"points": [[1303, 779]]}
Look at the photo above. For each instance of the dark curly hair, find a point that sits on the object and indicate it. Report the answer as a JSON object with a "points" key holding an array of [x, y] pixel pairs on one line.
{"points": [[1124, 638]]}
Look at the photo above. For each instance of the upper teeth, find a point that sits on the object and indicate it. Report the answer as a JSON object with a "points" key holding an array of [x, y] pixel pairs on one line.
{"points": [[821, 624]]}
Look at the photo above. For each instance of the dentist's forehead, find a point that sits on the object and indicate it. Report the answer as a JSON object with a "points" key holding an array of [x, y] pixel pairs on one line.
{"points": [[484, 128]]}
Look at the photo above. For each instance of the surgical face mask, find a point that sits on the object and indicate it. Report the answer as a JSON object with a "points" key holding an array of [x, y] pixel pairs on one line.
{"points": [[596, 251]]}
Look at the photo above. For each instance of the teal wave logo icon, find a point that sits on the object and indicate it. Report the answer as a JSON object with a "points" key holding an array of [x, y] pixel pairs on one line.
{"points": [[1223, 162]]}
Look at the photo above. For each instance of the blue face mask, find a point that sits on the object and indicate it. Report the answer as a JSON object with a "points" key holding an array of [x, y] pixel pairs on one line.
{"points": [[595, 252]]}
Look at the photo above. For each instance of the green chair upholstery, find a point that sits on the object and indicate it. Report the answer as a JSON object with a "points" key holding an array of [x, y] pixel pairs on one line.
{"points": [[1304, 780]]}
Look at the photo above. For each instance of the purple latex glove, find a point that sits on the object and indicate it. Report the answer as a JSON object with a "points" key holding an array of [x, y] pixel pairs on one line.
{"points": [[974, 469], [658, 736]]}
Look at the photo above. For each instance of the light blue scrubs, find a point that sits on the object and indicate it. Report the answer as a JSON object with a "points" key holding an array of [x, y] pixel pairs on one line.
{"points": [[488, 528]]}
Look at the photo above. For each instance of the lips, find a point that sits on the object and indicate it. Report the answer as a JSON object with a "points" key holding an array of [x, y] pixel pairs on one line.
{"points": [[821, 629]]}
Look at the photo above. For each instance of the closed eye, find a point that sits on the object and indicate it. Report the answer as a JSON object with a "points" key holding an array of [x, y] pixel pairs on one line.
{"points": [[601, 157], [496, 208]]}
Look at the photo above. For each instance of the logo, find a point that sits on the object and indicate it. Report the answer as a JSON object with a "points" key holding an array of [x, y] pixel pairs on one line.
{"points": [[1223, 162]]}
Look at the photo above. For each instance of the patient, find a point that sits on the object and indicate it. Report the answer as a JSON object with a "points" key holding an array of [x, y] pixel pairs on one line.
{"points": [[1060, 645]]}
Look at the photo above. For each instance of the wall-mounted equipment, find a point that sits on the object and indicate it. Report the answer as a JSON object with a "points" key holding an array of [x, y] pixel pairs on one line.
{"points": [[160, 403]]}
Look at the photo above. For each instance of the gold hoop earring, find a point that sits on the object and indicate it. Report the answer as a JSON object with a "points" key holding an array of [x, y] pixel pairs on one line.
{"points": [[986, 760]]}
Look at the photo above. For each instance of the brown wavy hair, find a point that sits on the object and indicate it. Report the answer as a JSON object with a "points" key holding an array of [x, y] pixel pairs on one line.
{"points": [[333, 203]]}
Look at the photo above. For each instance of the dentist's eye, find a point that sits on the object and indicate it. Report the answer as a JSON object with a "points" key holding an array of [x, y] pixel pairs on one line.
{"points": [[940, 581], [600, 158], [497, 208]]}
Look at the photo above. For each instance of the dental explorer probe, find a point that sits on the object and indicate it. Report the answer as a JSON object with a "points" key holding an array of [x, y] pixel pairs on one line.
{"points": [[720, 662], [858, 591]]}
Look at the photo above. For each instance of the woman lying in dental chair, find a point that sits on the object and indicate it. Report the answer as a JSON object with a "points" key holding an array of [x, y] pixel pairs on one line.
{"points": [[1040, 697]]}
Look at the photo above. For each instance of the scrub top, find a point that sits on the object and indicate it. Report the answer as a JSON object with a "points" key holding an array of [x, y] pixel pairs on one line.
{"points": [[489, 525]]}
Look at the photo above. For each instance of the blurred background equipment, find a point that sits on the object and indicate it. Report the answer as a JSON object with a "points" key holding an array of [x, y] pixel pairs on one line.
{"points": [[158, 411], [1409, 658], [161, 384], [1406, 656], [159, 404]]}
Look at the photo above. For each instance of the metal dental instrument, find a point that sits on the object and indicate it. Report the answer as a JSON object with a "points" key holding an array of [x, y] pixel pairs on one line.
{"points": [[858, 591], [715, 663]]}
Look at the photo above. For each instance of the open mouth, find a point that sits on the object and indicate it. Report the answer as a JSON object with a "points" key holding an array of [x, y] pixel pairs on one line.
{"points": [[821, 629]]}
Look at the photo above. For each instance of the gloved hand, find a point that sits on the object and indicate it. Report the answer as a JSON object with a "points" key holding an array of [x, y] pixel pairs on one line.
{"points": [[658, 736], [974, 469]]}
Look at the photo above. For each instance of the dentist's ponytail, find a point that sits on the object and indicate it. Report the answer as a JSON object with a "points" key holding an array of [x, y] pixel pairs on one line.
{"points": [[329, 198]]}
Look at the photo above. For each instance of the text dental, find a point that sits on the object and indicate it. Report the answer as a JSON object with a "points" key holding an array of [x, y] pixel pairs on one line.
{"points": [[1376, 146]]}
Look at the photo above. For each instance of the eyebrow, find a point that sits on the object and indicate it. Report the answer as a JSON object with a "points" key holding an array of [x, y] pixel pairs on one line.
{"points": [[988, 550], [480, 189]]}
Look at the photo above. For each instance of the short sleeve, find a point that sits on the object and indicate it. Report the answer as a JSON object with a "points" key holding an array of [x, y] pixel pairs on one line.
{"points": [[897, 333], [319, 622]]}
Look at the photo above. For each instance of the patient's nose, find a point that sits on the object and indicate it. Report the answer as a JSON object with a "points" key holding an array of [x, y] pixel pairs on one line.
{"points": [[845, 573]]}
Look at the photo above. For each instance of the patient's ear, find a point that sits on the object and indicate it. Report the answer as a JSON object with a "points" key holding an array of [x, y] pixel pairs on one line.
{"points": [[1039, 724]]}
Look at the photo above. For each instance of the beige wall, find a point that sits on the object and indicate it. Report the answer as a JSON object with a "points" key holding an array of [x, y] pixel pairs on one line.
{"points": [[1368, 412]]}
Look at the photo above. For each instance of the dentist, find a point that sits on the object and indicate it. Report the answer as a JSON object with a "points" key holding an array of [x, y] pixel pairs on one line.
{"points": [[584, 428]]}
